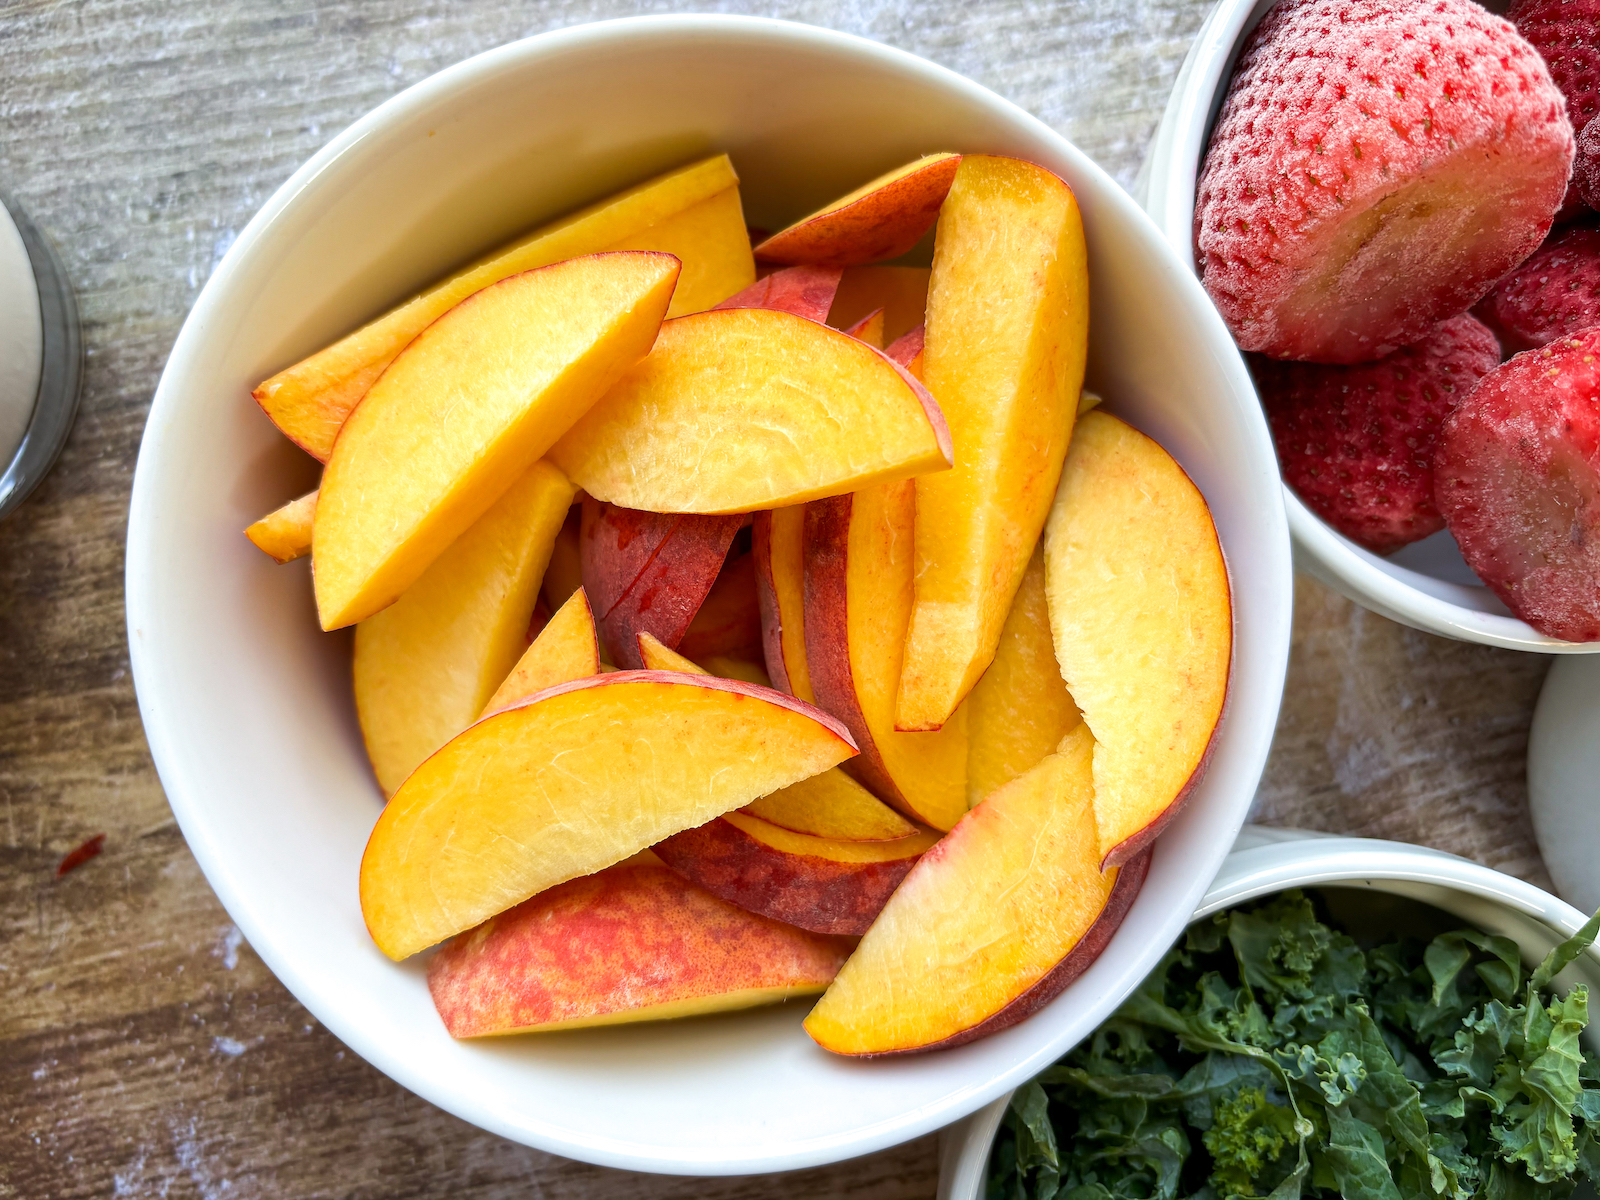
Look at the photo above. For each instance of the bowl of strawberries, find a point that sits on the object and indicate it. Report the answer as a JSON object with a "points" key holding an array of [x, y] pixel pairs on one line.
{"points": [[1388, 204], [677, 608]]}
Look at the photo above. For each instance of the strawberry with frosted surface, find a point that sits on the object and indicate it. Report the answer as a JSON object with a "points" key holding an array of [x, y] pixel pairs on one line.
{"points": [[1376, 167], [1518, 479], [1356, 442]]}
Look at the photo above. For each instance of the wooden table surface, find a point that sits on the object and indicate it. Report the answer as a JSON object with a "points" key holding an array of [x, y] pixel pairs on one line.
{"points": [[144, 1050]]}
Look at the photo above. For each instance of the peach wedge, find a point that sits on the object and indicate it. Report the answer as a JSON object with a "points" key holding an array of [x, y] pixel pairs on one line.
{"points": [[285, 533], [880, 219], [466, 409], [991, 924], [649, 572], [804, 291], [1007, 335], [829, 805], [858, 585], [567, 648], [1142, 618], [776, 547], [692, 212], [1021, 709], [570, 781], [744, 409], [825, 885], [425, 666], [636, 942]]}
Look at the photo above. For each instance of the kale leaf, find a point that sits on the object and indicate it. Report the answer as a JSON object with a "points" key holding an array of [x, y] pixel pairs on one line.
{"points": [[1270, 1056]]}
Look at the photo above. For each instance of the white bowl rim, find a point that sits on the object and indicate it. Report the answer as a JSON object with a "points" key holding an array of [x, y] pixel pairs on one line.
{"points": [[1167, 184], [1267, 860], [186, 802]]}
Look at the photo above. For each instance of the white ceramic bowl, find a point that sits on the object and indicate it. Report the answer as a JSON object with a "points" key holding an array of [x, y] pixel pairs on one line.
{"points": [[1426, 585], [248, 709], [1563, 765], [1270, 860]]}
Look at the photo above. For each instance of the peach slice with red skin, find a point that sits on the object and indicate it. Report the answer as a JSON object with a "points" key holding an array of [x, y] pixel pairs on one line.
{"points": [[779, 555], [804, 291], [728, 624], [858, 595], [827, 805], [743, 409], [677, 559], [1006, 341], [881, 219], [567, 648], [284, 534], [907, 350], [825, 885], [570, 781], [692, 212], [635, 942], [1142, 620], [990, 925], [466, 409]]}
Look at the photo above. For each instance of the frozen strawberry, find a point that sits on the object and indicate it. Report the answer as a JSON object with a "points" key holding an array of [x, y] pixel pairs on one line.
{"points": [[1567, 34], [1554, 293], [1376, 166], [1517, 477], [1586, 164], [1357, 442]]}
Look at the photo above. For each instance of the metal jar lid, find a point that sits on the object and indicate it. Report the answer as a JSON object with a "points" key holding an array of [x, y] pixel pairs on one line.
{"points": [[41, 357]]}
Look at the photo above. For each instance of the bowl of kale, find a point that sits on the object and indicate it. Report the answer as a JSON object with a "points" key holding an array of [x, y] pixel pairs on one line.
{"points": [[1343, 1018]]}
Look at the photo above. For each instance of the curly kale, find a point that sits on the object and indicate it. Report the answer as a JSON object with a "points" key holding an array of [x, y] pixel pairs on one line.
{"points": [[1269, 1056]]}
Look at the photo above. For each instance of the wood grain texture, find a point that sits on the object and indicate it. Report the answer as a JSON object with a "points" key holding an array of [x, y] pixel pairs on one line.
{"points": [[144, 1050]]}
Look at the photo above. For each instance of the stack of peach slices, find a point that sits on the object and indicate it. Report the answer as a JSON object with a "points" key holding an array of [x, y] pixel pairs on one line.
{"points": [[725, 634]]}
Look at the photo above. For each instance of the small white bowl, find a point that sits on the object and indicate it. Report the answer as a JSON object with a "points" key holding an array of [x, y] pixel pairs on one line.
{"points": [[1427, 585], [1563, 765], [1271, 860], [247, 707]]}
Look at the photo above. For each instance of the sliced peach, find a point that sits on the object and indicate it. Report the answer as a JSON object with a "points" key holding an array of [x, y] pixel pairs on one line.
{"points": [[468, 407], [1007, 333], [821, 884], [692, 212], [650, 572], [858, 583], [1021, 709], [615, 545], [728, 624], [829, 805], [1143, 623], [804, 291], [880, 219], [635, 942], [570, 781], [564, 575], [567, 648], [869, 329], [285, 533], [779, 556], [907, 350], [990, 925], [425, 666], [744, 409], [902, 293]]}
